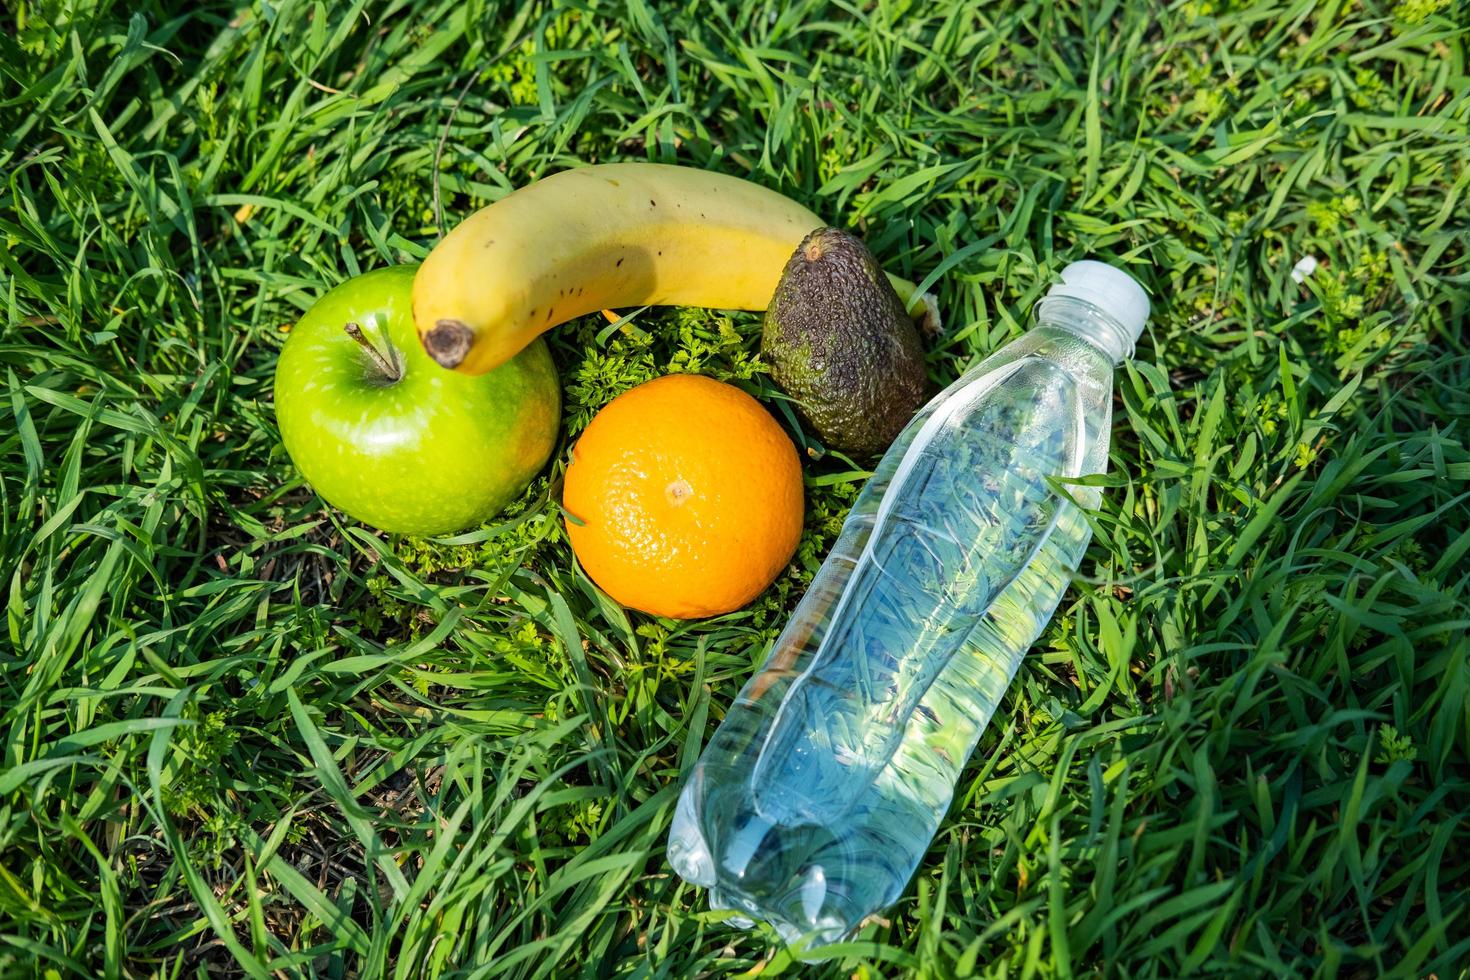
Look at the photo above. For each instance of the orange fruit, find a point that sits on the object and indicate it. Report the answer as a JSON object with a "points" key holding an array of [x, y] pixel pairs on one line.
{"points": [[684, 498]]}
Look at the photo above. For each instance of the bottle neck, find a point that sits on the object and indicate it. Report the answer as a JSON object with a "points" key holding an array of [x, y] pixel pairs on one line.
{"points": [[1088, 322]]}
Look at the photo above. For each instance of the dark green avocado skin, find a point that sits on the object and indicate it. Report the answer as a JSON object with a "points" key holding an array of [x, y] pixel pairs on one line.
{"points": [[839, 342]]}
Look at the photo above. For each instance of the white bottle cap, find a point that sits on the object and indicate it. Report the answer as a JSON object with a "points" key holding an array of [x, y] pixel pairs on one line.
{"points": [[1108, 288]]}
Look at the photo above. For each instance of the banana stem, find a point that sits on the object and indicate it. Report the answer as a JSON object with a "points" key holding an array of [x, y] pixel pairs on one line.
{"points": [[390, 371], [923, 307], [448, 342]]}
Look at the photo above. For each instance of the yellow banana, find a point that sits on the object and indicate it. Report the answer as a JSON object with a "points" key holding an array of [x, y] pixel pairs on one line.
{"points": [[601, 237]]}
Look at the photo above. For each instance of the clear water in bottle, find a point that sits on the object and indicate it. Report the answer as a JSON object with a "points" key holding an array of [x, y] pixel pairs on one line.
{"points": [[818, 794]]}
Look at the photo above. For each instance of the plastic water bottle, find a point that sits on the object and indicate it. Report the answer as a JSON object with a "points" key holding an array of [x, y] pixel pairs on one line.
{"points": [[819, 793]]}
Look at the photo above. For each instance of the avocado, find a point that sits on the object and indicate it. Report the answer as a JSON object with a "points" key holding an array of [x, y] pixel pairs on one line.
{"points": [[839, 342]]}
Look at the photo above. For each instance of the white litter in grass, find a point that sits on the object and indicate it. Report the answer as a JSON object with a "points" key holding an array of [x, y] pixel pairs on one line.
{"points": [[1304, 268]]}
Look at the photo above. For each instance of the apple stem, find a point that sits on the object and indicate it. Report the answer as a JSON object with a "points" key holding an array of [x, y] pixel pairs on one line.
{"points": [[390, 372]]}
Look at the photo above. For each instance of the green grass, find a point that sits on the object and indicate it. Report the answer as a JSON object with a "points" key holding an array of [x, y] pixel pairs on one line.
{"points": [[244, 736]]}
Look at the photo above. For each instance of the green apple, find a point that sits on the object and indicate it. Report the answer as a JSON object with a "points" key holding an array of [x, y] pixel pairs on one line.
{"points": [[395, 440]]}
